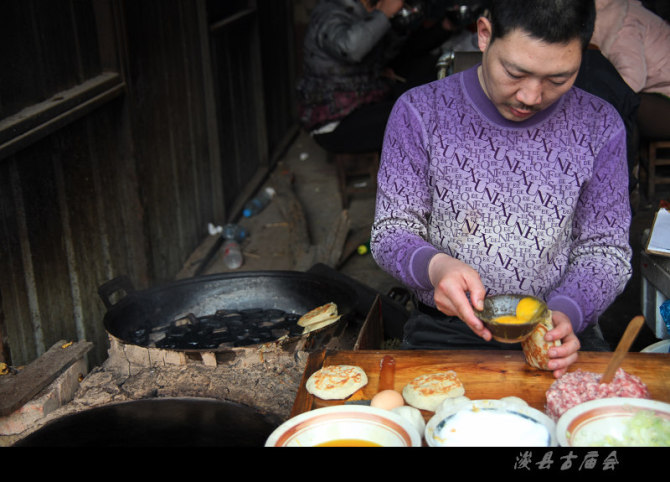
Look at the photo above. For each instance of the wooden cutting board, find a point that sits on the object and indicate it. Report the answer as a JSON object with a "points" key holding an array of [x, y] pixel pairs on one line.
{"points": [[485, 374]]}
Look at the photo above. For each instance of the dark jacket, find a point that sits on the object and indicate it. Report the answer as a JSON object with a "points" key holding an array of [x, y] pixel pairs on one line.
{"points": [[346, 49]]}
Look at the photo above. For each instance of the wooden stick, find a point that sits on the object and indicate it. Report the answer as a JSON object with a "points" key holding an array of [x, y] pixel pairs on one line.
{"points": [[622, 348]]}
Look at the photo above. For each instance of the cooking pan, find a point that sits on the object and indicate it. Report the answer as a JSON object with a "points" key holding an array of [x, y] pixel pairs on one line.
{"points": [[291, 291]]}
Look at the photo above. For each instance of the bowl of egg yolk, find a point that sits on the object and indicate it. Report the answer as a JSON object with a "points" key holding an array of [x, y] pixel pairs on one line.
{"points": [[511, 318]]}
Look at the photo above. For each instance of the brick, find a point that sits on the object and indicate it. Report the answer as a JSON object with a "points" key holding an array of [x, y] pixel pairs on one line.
{"points": [[57, 394]]}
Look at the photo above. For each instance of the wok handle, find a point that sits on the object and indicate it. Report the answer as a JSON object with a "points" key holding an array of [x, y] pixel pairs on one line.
{"points": [[106, 290]]}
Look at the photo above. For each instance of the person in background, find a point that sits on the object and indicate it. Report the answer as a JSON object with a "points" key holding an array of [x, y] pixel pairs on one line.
{"points": [[637, 42], [348, 86], [505, 178]]}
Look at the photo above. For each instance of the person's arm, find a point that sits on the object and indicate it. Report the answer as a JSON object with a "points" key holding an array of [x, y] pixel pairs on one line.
{"points": [[628, 57], [599, 265], [400, 228], [349, 40], [600, 259], [399, 241]]}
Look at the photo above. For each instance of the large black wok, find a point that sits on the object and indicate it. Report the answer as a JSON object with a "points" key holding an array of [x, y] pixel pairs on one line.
{"points": [[160, 422], [290, 291]]}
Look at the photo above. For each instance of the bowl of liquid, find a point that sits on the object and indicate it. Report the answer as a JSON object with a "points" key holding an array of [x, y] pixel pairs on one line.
{"points": [[511, 318], [490, 423], [346, 426]]}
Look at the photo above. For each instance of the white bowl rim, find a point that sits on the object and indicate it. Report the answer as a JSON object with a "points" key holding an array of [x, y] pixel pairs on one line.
{"points": [[412, 432], [493, 404], [567, 417], [659, 344]]}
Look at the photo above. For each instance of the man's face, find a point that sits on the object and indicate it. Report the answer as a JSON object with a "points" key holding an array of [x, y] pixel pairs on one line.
{"points": [[523, 75]]}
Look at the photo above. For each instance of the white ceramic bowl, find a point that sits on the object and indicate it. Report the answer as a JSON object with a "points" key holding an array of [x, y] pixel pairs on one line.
{"points": [[345, 425], [662, 346], [490, 423], [604, 422]]}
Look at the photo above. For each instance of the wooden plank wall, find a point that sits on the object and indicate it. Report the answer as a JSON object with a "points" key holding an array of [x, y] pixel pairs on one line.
{"points": [[280, 68], [65, 161], [122, 178], [65, 232], [166, 102]]}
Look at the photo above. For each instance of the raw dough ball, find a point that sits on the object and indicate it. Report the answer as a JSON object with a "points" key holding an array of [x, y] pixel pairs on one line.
{"points": [[413, 415]]}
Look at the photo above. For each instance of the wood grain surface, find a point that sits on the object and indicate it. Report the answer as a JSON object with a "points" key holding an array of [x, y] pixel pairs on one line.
{"points": [[485, 374]]}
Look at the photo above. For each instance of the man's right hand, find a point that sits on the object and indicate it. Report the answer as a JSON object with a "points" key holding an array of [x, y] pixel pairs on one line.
{"points": [[453, 280]]}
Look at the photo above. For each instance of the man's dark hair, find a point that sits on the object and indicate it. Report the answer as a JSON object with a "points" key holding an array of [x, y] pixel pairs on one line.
{"points": [[552, 21]]}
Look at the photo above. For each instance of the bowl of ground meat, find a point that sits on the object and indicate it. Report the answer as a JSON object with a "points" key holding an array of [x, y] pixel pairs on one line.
{"points": [[581, 386]]}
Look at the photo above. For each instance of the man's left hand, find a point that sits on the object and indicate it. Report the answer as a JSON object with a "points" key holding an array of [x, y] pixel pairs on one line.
{"points": [[561, 357]]}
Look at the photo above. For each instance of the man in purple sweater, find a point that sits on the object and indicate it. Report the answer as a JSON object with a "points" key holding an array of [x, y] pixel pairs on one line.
{"points": [[507, 179]]}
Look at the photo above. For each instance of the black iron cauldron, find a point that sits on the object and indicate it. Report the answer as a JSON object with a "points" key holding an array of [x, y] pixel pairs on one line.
{"points": [[137, 312]]}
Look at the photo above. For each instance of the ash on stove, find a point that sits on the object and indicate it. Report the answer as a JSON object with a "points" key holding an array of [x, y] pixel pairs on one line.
{"points": [[225, 328]]}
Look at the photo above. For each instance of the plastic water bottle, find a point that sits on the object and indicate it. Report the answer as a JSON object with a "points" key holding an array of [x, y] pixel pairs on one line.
{"points": [[257, 204], [232, 254], [234, 232]]}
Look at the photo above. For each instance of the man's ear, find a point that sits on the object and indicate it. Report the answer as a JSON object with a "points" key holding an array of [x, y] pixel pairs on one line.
{"points": [[484, 32]]}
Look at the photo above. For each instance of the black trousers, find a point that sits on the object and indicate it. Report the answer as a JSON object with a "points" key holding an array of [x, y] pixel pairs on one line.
{"points": [[429, 329], [361, 131], [652, 116]]}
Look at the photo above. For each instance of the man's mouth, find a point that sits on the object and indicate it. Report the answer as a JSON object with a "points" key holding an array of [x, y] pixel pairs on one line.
{"points": [[522, 113]]}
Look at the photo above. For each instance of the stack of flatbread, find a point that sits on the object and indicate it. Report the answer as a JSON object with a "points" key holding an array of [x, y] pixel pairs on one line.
{"points": [[536, 348], [319, 317]]}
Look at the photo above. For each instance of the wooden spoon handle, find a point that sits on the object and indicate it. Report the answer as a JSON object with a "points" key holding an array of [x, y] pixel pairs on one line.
{"points": [[622, 348]]}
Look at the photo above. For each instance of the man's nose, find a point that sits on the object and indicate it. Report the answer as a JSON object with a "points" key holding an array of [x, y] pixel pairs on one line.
{"points": [[530, 93]]}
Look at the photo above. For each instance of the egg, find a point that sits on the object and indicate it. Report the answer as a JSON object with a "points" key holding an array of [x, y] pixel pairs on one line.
{"points": [[387, 399], [527, 308]]}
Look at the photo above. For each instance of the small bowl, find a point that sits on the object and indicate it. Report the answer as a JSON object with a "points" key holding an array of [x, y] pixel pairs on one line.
{"points": [[501, 305], [604, 422], [490, 423], [346, 426]]}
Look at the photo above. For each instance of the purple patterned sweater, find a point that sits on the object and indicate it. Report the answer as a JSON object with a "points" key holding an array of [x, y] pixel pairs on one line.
{"points": [[537, 207]]}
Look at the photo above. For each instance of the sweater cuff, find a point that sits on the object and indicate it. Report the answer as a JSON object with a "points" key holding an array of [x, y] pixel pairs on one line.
{"points": [[568, 306], [418, 265]]}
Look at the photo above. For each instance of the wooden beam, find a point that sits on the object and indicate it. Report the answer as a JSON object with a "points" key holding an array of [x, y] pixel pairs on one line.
{"points": [[37, 121], [21, 387]]}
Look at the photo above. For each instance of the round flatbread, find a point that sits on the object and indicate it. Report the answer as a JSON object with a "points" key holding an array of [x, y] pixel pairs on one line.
{"points": [[536, 348], [321, 324], [336, 382], [427, 392], [317, 315]]}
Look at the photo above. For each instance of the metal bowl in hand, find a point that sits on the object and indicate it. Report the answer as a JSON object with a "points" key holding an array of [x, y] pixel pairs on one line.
{"points": [[511, 318]]}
